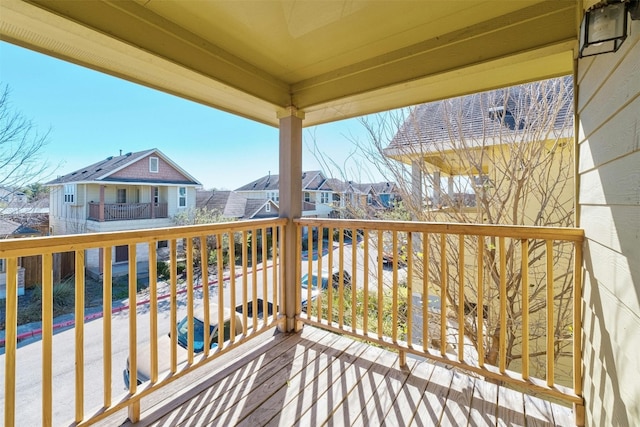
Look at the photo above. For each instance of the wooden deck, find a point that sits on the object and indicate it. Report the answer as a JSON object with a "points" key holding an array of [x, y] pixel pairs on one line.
{"points": [[320, 378]]}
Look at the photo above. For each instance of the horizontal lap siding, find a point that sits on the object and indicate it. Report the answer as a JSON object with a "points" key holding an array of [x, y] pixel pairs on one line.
{"points": [[609, 208]]}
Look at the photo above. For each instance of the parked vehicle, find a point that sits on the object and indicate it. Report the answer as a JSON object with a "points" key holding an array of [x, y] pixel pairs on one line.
{"points": [[164, 342], [335, 279]]}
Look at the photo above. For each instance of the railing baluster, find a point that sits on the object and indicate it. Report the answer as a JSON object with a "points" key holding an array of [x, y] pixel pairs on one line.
{"points": [[443, 294], [330, 285], [525, 308], [275, 258], [503, 305], [365, 283], [265, 293], [219, 251], [340, 278], [310, 271], [47, 344], [190, 300], [461, 298], [11, 341], [245, 284], [232, 288], [173, 306], [409, 256], [550, 307], [254, 275], [394, 287], [480, 322], [153, 310], [425, 291], [79, 328], [380, 244], [204, 274], [320, 288], [354, 278], [107, 299]]}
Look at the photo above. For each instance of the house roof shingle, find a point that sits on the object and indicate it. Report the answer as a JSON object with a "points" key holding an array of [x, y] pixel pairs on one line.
{"points": [[488, 115], [101, 171]]}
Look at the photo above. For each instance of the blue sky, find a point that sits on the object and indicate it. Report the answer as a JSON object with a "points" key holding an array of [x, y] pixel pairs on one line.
{"points": [[93, 115]]}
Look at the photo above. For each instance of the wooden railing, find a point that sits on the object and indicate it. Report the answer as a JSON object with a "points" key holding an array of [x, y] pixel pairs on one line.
{"points": [[127, 211], [499, 301], [242, 260]]}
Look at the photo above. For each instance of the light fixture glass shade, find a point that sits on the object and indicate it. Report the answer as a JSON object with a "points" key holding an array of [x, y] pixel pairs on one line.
{"points": [[603, 29]]}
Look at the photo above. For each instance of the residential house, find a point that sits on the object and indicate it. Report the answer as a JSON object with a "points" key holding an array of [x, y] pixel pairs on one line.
{"points": [[233, 205], [324, 197], [130, 191], [316, 202], [12, 197], [320, 62], [469, 142], [12, 230]]}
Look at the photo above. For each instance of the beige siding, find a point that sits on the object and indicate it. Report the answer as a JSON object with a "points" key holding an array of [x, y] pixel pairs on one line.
{"points": [[609, 209]]}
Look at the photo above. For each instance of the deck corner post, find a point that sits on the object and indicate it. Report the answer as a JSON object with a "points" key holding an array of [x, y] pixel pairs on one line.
{"points": [[290, 193]]}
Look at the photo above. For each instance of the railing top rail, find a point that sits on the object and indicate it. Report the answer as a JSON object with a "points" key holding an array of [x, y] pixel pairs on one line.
{"points": [[511, 231], [50, 244]]}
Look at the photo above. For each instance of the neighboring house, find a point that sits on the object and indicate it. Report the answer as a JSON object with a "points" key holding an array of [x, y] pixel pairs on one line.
{"points": [[12, 197], [12, 230], [315, 202], [236, 206], [324, 197], [486, 127], [126, 192]]}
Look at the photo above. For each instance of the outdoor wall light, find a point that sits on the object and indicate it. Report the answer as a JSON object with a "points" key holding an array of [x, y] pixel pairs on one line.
{"points": [[604, 26]]}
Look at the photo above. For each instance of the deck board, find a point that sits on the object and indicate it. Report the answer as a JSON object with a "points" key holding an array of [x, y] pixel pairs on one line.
{"points": [[484, 405], [317, 378]]}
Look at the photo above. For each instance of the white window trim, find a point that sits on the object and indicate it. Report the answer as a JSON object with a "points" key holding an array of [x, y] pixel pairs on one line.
{"points": [[157, 163], [267, 207], [70, 194], [180, 197]]}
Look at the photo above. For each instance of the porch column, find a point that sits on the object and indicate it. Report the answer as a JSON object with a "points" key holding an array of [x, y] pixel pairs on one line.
{"points": [[101, 213], [152, 204], [450, 190], [290, 206], [437, 190], [417, 195]]}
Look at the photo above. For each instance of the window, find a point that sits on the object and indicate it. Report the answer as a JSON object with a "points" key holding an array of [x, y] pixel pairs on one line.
{"points": [[154, 164], [324, 197], [70, 193], [273, 195], [2, 266], [121, 195], [369, 199], [156, 195], [267, 207], [307, 197], [182, 197]]}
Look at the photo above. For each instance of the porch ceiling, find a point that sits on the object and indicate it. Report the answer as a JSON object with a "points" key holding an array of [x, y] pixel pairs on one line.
{"points": [[330, 59]]}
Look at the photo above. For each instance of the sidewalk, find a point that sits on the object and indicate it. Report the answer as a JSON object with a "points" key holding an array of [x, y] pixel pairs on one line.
{"points": [[29, 332]]}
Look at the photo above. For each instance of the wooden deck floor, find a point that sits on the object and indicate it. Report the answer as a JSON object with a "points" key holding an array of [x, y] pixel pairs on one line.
{"points": [[319, 378]]}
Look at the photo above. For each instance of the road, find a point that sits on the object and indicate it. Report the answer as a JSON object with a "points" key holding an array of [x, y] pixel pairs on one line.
{"points": [[29, 357]]}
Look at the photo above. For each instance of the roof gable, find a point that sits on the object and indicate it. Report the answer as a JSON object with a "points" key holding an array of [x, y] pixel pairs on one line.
{"points": [[130, 167]]}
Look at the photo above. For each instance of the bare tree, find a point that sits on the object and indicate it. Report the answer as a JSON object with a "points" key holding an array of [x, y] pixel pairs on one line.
{"points": [[20, 147], [501, 157]]}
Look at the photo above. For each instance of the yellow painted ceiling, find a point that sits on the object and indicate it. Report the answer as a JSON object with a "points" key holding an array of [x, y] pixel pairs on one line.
{"points": [[330, 59]]}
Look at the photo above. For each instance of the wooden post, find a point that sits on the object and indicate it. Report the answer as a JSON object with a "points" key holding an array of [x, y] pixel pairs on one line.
{"points": [[101, 212], [290, 206]]}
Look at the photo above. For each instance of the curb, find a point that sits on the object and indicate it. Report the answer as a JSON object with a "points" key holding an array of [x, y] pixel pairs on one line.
{"points": [[68, 323]]}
